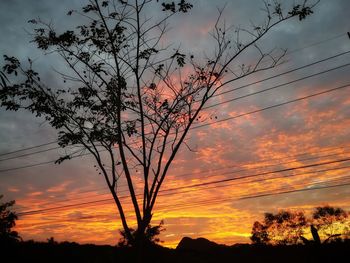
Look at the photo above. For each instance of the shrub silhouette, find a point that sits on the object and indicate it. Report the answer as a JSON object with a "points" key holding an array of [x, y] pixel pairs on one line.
{"points": [[7, 222], [151, 236]]}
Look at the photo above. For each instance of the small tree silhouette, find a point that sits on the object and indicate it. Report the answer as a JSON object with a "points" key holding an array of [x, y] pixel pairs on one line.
{"points": [[52, 241], [287, 228], [327, 221], [259, 233], [7, 222], [151, 236]]}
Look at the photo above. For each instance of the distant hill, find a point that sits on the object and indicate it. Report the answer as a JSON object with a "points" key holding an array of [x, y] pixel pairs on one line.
{"points": [[198, 244]]}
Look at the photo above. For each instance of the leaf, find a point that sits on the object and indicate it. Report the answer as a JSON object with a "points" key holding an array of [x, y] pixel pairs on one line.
{"points": [[169, 7], [89, 8], [152, 86], [159, 69], [180, 58], [62, 159], [145, 54], [184, 6], [32, 21]]}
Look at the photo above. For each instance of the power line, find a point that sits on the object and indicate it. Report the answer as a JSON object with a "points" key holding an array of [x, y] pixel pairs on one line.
{"points": [[294, 191], [180, 206], [247, 197], [283, 73], [316, 43], [222, 120], [218, 121], [206, 203], [27, 166], [194, 185], [204, 177], [29, 148], [29, 154], [258, 180], [277, 86], [218, 94], [42, 163], [259, 174], [272, 106], [306, 46], [208, 176], [275, 164], [230, 199]]}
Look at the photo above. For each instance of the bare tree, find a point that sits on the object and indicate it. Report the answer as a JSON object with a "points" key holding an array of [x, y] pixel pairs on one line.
{"points": [[132, 100]]}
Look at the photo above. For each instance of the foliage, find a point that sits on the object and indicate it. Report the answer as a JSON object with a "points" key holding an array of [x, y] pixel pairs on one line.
{"points": [[327, 219], [130, 101], [151, 235], [282, 228], [7, 222], [289, 228]]}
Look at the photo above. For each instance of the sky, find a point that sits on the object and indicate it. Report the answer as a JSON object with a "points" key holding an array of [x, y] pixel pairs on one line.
{"points": [[307, 132]]}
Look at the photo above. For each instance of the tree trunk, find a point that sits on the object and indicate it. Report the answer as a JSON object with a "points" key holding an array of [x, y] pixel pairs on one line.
{"points": [[142, 245]]}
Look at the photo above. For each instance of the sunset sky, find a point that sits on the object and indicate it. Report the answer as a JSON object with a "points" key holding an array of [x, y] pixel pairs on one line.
{"points": [[310, 132]]}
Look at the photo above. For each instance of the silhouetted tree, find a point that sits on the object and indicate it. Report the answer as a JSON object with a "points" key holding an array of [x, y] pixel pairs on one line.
{"points": [[7, 222], [52, 241], [260, 234], [285, 227], [130, 101], [329, 221], [326, 224], [151, 235]]}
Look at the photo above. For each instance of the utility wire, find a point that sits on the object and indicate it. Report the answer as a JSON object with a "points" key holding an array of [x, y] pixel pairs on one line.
{"points": [[276, 86], [255, 196], [294, 191], [29, 148], [29, 154], [283, 73], [208, 124], [202, 177], [272, 106], [231, 90], [195, 185]]}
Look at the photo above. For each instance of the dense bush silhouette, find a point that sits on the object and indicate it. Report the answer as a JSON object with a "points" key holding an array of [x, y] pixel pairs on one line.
{"points": [[151, 235], [7, 222]]}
